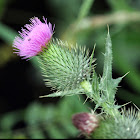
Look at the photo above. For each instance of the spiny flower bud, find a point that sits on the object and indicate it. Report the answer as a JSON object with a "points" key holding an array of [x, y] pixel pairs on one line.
{"points": [[121, 126], [85, 122], [65, 66]]}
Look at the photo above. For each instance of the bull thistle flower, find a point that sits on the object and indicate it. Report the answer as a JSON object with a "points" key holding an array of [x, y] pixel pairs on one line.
{"points": [[33, 39], [64, 66], [70, 71]]}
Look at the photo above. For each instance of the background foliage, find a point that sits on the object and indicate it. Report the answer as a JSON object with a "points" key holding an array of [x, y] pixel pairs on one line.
{"points": [[22, 113]]}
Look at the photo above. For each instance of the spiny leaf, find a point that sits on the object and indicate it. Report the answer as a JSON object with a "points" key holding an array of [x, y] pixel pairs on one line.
{"points": [[65, 93], [108, 85], [107, 70], [116, 81]]}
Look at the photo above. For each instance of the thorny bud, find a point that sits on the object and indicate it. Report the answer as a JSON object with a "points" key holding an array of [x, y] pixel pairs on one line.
{"points": [[85, 122]]}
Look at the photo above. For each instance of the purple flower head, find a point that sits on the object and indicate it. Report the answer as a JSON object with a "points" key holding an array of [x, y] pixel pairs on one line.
{"points": [[34, 38], [85, 122]]}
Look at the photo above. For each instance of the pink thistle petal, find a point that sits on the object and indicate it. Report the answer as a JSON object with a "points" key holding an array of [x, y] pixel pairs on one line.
{"points": [[34, 38]]}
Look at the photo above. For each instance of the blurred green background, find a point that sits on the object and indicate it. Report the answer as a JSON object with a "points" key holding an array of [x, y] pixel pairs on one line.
{"points": [[22, 113]]}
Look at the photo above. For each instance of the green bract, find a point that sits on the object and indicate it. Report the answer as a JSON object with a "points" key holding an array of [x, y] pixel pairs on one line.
{"points": [[124, 126], [65, 66]]}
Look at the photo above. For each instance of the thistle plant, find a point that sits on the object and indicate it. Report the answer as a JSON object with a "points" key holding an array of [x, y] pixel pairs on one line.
{"points": [[70, 70]]}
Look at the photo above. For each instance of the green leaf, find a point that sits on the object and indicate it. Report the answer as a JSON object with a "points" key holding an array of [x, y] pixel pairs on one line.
{"points": [[106, 80], [85, 7], [95, 84], [107, 70], [116, 81], [65, 93], [108, 85]]}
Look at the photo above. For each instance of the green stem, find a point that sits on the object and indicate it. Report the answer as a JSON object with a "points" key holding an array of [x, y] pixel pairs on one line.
{"points": [[108, 108], [84, 9]]}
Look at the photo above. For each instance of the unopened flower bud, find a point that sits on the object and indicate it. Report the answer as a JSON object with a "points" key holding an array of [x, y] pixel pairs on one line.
{"points": [[85, 122]]}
